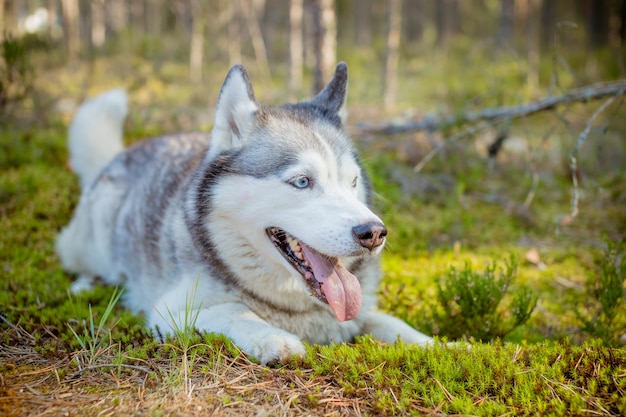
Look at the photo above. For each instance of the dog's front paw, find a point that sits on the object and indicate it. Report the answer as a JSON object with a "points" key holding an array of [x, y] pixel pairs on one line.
{"points": [[276, 348]]}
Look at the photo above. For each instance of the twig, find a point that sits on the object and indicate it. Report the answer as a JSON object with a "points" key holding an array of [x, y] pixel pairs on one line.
{"points": [[583, 94], [573, 157], [535, 174], [20, 332], [91, 367], [533, 189]]}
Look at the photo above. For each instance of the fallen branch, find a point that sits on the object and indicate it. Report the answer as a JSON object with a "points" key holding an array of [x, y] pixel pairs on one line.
{"points": [[574, 154], [111, 365], [498, 114]]}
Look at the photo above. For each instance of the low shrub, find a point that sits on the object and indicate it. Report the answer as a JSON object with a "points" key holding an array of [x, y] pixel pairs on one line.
{"points": [[606, 310], [480, 305]]}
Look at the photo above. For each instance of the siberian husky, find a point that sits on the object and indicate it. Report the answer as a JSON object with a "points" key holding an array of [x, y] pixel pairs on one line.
{"points": [[260, 230]]}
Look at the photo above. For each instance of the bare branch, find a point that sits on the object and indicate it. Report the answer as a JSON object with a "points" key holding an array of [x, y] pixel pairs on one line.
{"points": [[573, 157], [494, 115], [472, 130]]}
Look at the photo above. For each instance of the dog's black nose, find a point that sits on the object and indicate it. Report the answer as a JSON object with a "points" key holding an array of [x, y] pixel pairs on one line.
{"points": [[370, 235]]}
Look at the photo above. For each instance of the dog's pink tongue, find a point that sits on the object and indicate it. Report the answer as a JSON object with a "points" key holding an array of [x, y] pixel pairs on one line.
{"points": [[341, 288]]}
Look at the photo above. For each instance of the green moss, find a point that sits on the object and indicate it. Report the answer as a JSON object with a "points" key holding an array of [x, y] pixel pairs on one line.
{"points": [[461, 208], [483, 379]]}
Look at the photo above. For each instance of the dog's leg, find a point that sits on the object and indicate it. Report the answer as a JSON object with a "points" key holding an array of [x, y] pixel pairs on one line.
{"points": [[252, 334], [387, 329], [83, 283], [70, 246]]}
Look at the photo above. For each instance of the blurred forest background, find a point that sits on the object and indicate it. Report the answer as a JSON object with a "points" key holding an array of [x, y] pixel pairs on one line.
{"points": [[435, 61], [397, 47]]}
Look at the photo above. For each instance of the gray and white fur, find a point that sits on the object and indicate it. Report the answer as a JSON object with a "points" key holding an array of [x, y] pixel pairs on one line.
{"points": [[262, 228]]}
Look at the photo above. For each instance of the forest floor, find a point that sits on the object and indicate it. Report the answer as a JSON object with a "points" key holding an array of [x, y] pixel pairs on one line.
{"points": [[62, 354]]}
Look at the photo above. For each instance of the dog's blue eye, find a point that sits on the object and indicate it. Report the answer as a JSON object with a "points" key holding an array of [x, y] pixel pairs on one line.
{"points": [[301, 182]]}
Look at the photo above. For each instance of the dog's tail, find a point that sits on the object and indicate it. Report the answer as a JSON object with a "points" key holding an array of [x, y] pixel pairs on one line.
{"points": [[96, 134]]}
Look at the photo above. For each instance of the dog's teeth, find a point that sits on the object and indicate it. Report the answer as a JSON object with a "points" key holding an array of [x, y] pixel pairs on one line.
{"points": [[293, 245], [298, 255]]}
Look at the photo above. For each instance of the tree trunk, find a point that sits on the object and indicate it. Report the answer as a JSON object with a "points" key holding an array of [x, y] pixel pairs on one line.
{"points": [[414, 21], [10, 18], [598, 24], [363, 26], [533, 45], [507, 18], [248, 12], [447, 20], [622, 31], [116, 15], [196, 46], [394, 16], [98, 26], [325, 33], [3, 27], [440, 21], [51, 7], [234, 34], [70, 26], [154, 16], [295, 45], [138, 10], [547, 23]]}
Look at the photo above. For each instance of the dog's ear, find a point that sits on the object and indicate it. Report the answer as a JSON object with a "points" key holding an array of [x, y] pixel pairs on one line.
{"points": [[333, 97], [234, 115]]}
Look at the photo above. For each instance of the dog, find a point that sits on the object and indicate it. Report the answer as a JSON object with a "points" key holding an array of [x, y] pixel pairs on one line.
{"points": [[260, 230]]}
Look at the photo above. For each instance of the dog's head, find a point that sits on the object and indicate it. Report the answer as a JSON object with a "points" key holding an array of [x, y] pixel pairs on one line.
{"points": [[292, 188]]}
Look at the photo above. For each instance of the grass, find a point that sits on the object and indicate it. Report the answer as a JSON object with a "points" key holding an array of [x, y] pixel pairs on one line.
{"points": [[93, 338], [461, 213], [184, 333]]}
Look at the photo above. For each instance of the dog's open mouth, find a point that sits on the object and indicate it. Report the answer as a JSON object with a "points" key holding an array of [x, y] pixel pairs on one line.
{"points": [[325, 276]]}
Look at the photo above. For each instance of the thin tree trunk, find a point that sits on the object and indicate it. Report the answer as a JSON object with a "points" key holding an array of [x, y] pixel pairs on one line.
{"points": [[248, 12], [234, 34], [440, 21], [51, 6], [154, 16], [413, 25], [70, 26], [598, 24], [363, 27], [197, 42], [623, 23], [325, 34], [295, 45], [507, 18], [10, 18], [533, 46], [137, 10], [2, 23], [116, 15], [394, 18], [98, 26], [547, 23]]}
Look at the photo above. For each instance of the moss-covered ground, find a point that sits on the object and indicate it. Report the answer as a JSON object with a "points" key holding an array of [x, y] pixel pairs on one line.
{"points": [[461, 209]]}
